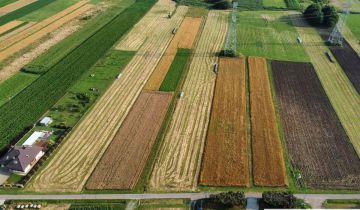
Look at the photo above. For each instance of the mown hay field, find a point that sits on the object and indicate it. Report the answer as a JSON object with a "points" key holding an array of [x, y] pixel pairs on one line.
{"points": [[225, 160], [268, 160], [25, 42], [184, 38], [178, 163], [317, 143], [89, 140], [342, 94], [268, 34], [123, 162], [10, 25]]}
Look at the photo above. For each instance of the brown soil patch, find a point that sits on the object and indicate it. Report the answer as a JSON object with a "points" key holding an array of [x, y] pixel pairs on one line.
{"points": [[88, 141], [268, 161], [14, 6], [178, 163], [225, 161], [124, 160], [38, 26], [56, 207], [184, 38], [41, 33], [9, 26]]}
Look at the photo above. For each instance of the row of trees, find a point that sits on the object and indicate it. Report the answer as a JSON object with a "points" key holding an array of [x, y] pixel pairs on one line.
{"points": [[321, 14]]}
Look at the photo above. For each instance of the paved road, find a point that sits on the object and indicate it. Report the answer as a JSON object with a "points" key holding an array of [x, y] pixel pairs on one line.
{"points": [[4, 175]]}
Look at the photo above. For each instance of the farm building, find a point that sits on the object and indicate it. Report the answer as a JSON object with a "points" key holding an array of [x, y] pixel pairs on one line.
{"points": [[37, 136], [21, 159], [46, 121]]}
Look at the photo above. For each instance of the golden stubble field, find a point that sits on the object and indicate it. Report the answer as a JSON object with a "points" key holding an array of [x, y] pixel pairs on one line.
{"points": [[74, 162], [178, 162]]}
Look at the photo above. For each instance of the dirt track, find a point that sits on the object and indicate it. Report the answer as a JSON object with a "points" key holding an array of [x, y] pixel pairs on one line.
{"points": [[184, 38], [89, 140], [268, 161], [124, 160], [14, 6], [9, 51], [9, 25], [225, 161], [178, 162]]}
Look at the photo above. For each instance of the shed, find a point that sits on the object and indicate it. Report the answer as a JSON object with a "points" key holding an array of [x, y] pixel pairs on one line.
{"points": [[46, 121]]}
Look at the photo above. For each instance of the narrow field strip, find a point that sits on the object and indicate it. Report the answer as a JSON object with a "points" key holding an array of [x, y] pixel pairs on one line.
{"points": [[178, 163], [184, 38], [16, 31], [89, 140], [351, 38], [44, 31], [268, 160], [38, 26], [342, 94], [317, 143], [14, 6], [225, 160], [10, 26], [123, 162], [145, 27]]}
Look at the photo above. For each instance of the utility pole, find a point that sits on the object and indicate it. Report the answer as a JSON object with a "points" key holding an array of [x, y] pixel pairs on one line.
{"points": [[231, 38], [336, 37]]}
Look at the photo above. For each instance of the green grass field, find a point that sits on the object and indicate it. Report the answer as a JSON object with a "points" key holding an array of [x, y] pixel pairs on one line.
{"points": [[353, 22], [6, 2], [268, 34], [9, 88], [48, 10], [274, 3], [176, 70]]}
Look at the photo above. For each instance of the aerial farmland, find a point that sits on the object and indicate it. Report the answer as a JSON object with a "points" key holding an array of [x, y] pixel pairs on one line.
{"points": [[179, 104]]}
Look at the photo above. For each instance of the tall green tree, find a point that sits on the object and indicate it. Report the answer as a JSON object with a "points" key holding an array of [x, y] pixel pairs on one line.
{"points": [[330, 15], [313, 14]]}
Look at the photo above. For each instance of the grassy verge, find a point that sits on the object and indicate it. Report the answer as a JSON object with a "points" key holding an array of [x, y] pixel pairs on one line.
{"points": [[177, 68], [29, 105], [24, 11], [342, 204]]}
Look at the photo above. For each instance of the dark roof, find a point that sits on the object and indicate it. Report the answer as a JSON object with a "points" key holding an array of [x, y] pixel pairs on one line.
{"points": [[19, 157]]}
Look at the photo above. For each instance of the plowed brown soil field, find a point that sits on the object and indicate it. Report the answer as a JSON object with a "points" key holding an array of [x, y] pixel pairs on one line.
{"points": [[184, 38], [5, 53], [317, 143], [14, 6], [178, 163], [9, 26], [36, 27], [88, 141], [268, 161], [225, 161], [124, 160]]}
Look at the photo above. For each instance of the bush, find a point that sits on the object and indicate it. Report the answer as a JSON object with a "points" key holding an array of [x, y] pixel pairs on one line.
{"points": [[230, 199], [313, 14], [279, 199], [222, 5], [331, 16]]}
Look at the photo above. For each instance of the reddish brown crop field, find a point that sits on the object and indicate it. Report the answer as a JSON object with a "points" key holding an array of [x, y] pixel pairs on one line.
{"points": [[124, 160], [268, 161], [348, 60], [225, 161], [316, 141]]}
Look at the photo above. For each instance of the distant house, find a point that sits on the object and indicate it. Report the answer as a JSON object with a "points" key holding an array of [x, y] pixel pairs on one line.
{"points": [[37, 136], [21, 159], [46, 121]]}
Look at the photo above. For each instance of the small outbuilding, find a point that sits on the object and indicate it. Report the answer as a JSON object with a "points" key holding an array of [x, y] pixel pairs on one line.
{"points": [[46, 121]]}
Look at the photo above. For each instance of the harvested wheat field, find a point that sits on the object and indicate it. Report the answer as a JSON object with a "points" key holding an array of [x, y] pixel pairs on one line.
{"points": [[317, 143], [14, 6], [89, 140], [16, 31], [38, 26], [123, 162], [41, 33], [55, 37], [10, 25], [184, 38], [225, 160], [145, 27], [178, 163], [268, 160], [342, 94]]}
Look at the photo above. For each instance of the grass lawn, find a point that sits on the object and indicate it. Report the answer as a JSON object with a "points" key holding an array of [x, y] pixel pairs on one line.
{"points": [[48, 10], [9, 88], [268, 34], [342, 204], [274, 3], [177, 67], [353, 22], [13, 179]]}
